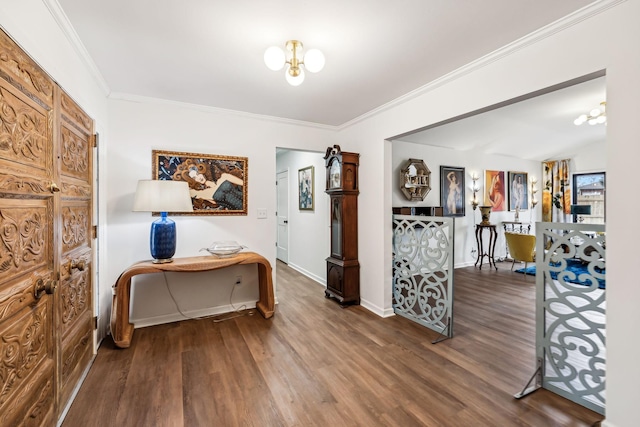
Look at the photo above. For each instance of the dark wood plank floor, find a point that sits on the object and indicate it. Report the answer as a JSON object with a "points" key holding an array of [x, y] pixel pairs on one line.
{"points": [[316, 364]]}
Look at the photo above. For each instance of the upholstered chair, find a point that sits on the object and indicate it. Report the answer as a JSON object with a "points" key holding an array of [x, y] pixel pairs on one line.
{"points": [[522, 247]]}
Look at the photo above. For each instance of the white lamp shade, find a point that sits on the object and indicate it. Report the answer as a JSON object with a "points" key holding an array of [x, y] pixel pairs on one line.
{"points": [[295, 81], [314, 60], [162, 196], [274, 58]]}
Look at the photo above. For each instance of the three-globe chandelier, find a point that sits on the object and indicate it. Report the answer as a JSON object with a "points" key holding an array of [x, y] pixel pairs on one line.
{"points": [[595, 116], [275, 58]]}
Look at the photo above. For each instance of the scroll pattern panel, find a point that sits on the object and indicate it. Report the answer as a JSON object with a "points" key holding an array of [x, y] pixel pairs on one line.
{"points": [[23, 131], [75, 158], [23, 237], [74, 353], [423, 271], [75, 227], [22, 71], [25, 343], [74, 293], [573, 308]]}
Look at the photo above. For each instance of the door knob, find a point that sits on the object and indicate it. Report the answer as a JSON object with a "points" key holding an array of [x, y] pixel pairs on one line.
{"points": [[286, 222], [54, 187], [41, 287], [79, 264]]}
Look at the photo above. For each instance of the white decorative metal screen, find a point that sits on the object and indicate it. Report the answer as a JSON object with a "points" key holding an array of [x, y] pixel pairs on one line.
{"points": [[423, 270], [571, 290]]}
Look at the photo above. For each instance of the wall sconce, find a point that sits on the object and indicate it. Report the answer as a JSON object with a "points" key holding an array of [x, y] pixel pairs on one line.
{"points": [[275, 58], [162, 196], [475, 189], [534, 202]]}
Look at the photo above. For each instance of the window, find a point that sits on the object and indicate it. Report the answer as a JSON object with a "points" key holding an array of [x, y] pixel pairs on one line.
{"points": [[590, 189]]}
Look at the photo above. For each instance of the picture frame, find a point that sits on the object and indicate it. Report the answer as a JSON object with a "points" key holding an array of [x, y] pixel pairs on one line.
{"points": [[518, 190], [495, 190], [452, 190], [217, 184], [306, 188]]}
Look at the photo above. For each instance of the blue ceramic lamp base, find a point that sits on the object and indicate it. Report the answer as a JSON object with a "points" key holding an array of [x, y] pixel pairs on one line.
{"points": [[163, 239]]}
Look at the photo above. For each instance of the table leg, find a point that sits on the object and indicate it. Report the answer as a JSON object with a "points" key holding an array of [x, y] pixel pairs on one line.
{"points": [[121, 329], [265, 304], [493, 238], [479, 247]]}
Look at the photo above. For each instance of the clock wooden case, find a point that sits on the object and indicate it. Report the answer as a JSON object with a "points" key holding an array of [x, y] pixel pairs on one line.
{"points": [[343, 269]]}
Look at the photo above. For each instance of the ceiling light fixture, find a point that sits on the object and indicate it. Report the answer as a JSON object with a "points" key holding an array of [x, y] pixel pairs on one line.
{"points": [[275, 58], [595, 116]]}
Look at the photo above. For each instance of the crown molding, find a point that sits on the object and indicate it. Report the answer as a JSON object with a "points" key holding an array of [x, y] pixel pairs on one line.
{"points": [[70, 33], [121, 96], [555, 27]]}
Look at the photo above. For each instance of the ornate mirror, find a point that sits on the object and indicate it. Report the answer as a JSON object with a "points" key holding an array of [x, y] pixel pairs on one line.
{"points": [[415, 180]]}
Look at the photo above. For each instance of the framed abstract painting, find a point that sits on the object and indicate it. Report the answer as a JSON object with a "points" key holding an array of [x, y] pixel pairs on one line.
{"points": [[217, 184]]}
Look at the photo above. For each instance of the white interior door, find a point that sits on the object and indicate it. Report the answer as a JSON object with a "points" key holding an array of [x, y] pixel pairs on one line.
{"points": [[282, 180]]}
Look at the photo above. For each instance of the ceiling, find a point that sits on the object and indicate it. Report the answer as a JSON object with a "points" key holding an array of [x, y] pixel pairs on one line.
{"points": [[539, 128], [210, 52]]}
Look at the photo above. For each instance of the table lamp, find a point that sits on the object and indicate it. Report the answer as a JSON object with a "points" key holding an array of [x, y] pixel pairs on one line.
{"points": [[162, 196], [580, 210]]}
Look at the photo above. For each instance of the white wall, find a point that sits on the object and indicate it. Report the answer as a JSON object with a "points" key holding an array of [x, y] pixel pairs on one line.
{"points": [[593, 158], [309, 232], [559, 54], [137, 128], [474, 161]]}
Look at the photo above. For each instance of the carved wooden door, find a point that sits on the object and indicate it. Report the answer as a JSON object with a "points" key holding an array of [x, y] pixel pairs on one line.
{"points": [[73, 302], [44, 342]]}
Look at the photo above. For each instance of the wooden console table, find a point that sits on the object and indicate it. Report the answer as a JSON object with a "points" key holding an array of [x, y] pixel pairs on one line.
{"points": [[493, 234], [122, 330]]}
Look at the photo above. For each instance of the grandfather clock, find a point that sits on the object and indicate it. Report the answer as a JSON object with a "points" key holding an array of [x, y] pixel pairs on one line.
{"points": [[343, 269]]}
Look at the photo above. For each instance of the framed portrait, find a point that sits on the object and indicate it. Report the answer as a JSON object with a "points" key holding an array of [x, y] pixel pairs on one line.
{"points": [[518, 191], [217, 184], [495, 194], [305, 188], [452, 190]]}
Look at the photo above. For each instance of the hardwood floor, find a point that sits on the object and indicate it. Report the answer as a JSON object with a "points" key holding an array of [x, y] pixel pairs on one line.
{"points": [[316, 364]]}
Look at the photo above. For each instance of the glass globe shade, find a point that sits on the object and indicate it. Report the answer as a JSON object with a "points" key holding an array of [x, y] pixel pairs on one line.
{"points": [[294, 81], [595, 112], [314, 60], [274, 58], [601, 119], [593, 121]]}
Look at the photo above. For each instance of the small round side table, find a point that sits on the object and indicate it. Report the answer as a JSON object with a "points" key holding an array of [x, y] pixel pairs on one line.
{"points": [[493, 237]]}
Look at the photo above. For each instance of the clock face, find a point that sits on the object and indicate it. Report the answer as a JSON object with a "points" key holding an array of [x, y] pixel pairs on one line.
{"points": [[334, 175]]}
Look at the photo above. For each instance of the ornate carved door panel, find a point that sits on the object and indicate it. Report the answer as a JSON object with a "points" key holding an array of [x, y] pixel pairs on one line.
{"points": [[45, 298], [27, 205], [73, 302]]}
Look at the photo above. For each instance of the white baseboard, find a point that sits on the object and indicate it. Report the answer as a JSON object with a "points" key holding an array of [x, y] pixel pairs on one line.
{"points": [[376, 310], [309, 274], [176, 317]]}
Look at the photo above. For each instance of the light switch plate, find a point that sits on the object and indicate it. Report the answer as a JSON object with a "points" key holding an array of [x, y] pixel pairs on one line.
{"points": [[262, 213]]}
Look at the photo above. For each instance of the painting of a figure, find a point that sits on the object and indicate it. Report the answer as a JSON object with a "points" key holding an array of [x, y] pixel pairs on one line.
{"points": [[305, 184], [452, 190], [518, 194], [217, 184], [494, 194]]}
